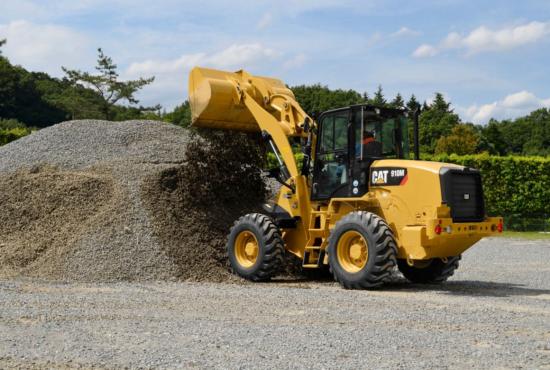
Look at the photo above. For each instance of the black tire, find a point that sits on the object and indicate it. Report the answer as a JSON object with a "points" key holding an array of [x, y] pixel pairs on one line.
{"points": [[381, 247], [270, 247], [435, 272]]}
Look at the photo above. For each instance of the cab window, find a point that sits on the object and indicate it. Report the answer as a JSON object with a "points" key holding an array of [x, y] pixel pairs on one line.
{"points": [[380, 137], [331, 171], [334, 133]]}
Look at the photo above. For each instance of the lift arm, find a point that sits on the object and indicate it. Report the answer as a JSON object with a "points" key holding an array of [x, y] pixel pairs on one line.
{"points": [[241, 102]]}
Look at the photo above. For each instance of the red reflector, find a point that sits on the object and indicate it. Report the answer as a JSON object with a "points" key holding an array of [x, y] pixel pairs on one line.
{"points": [[500, 226], [438, 229]]}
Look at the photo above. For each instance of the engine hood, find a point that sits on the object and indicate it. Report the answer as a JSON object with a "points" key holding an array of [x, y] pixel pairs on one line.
{"points": [[428, 166]]}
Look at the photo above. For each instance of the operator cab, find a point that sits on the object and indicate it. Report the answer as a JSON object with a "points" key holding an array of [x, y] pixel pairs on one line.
{"points": [[348, 141]]}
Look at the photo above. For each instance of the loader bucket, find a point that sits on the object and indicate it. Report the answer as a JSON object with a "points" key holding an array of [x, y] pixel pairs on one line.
{"points": [[215, 102]]}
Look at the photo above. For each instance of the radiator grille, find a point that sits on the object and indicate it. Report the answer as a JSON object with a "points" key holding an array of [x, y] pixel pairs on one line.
{"points": [[462, 191]]}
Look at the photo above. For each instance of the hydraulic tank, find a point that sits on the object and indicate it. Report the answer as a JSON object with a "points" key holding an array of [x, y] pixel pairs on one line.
{"points": [[215, 99]]}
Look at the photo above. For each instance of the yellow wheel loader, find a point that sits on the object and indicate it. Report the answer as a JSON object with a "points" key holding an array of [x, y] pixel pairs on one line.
{"points": [[357, 204]]}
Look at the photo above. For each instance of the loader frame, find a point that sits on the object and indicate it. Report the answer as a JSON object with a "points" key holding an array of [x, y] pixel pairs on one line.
{"points": [[266, 105]]}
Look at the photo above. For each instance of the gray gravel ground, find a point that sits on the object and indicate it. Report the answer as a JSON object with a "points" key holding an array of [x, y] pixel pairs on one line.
{"points": [[494, 313]]}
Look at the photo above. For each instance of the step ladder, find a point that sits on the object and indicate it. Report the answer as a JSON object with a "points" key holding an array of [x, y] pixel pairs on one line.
{"points": [[314, 252]]}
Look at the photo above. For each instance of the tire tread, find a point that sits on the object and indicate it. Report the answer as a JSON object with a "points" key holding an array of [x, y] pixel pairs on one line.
{"points": [[272, 256], [436, 273], [385, 248]]}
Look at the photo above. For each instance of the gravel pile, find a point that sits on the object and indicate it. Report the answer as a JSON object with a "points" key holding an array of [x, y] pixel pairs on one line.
{"points": [[136, 200]]}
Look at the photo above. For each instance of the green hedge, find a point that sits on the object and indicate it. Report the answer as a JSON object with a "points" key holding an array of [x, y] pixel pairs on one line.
{"points": [[517, 188]]}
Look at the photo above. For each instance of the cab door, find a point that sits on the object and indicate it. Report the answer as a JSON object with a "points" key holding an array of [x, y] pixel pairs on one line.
{"points": [[331, 171]]}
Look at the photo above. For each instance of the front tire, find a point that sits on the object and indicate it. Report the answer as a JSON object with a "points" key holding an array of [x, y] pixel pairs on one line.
{"points": [[435, 271], [362, 251], [255, 247]]}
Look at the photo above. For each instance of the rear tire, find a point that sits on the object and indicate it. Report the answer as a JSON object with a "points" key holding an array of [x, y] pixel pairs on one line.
{"points": [[435, 272], [362, 251], [255, 247]]}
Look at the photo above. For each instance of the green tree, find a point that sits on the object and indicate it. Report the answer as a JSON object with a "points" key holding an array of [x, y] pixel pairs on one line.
{"points": [[412, 104], [462, 140], [21, 98], [436, 120], [397, 102], [537, 123], [78, 101], [106, 84], [317, 98], [514, 134], [123, 113], [440, 103], [181, 115], [378, 98], [2, 43], [491, 139], [425, 106], [527, 135]]}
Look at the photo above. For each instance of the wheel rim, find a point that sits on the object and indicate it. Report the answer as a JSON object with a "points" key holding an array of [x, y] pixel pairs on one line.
{"points": [[352, 251], [246, 248]]}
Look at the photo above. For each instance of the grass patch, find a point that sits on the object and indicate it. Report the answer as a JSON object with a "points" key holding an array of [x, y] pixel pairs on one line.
{"points": [[531, 235]]}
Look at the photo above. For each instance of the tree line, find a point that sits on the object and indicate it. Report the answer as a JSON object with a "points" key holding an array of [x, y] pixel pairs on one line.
{"points": [[441, 131], [33, 100]]}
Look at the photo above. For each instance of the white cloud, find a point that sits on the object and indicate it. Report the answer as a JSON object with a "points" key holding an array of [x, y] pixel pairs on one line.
{"points": [[170, 82], [452, 41], [166, 66], [45, 47], [235, 56], [405, 32], [240, 55], [424, 51], [484, 39], [513, 105]]}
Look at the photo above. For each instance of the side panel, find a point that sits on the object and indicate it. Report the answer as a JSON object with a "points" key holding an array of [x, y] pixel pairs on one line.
{"points": [[406, 194]]}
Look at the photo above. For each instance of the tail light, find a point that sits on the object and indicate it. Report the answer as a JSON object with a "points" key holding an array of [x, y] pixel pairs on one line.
{"points": [[438, 228], [500, 226]]}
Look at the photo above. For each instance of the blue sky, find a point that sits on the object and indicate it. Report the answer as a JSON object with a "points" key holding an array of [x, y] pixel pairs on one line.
{"points": [[490, 58]]}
